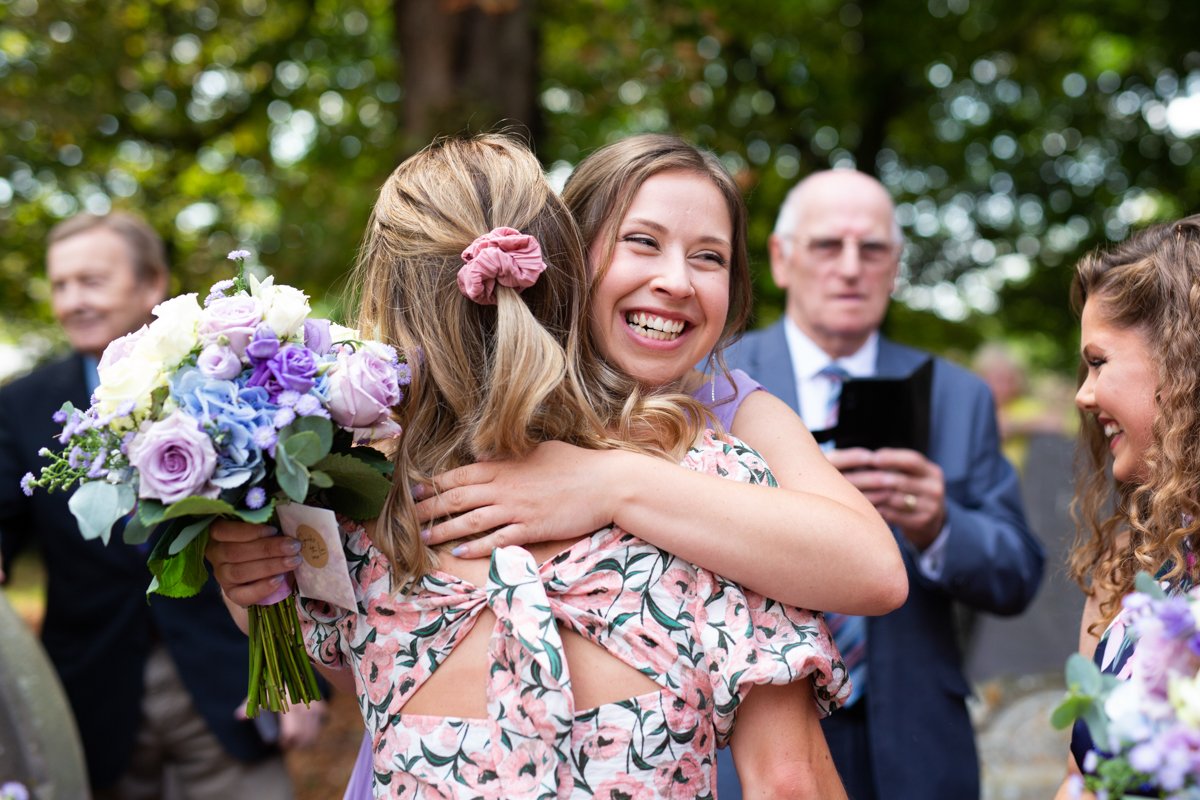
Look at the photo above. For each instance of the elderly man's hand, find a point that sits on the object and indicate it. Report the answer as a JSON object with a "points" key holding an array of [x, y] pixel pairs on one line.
{"points": [[907, 489]]}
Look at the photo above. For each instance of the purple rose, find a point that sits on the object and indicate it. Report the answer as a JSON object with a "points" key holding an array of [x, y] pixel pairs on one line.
{"points": [[362, 388], [235, 318], [292, 368], [263, 345], [219, 362], [317, 336], [174, 460]]}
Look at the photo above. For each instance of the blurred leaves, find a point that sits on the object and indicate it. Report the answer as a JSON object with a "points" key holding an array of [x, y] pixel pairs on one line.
{"points": [[1012, 138]]}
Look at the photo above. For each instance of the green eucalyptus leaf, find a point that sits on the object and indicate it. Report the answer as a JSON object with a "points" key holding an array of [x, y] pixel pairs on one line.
{"points": [[1146, 584], [291, 476], [136, 531], [1083, 676], [1067, 712], [97, 505], [304, 448], [197, 507], [150, 512], [185, 536], [319, 427], [256, 515]]}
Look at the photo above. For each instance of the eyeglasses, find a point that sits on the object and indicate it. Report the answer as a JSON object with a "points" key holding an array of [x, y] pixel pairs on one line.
{"points": [[871, 252]]}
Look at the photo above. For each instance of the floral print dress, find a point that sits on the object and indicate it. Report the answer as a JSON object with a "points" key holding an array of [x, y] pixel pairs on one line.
{"points": [[704, 640]]}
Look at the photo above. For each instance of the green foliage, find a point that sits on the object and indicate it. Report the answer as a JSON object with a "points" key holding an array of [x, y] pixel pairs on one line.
{"points": [[1014, 136], [97, 505]]}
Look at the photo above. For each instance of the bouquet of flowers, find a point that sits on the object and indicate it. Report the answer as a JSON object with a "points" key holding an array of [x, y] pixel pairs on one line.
{"points": [[224, 409], [1145, 724]]}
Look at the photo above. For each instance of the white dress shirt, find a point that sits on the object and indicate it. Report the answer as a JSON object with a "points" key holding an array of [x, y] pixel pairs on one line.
{"points": [[812, 394]]}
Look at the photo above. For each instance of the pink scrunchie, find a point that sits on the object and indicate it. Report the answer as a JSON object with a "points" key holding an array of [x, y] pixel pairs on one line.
{"points": [[503, 255]]}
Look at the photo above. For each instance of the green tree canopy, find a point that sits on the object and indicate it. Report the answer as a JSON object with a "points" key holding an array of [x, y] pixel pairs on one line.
{"points": [[1013, 137]]}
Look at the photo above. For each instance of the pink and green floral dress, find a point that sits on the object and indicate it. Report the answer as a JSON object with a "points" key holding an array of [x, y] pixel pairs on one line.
{"points": [[704, 640]]}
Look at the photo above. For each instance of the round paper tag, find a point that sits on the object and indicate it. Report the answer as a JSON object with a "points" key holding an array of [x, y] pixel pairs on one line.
{"points": [[312, 546]]}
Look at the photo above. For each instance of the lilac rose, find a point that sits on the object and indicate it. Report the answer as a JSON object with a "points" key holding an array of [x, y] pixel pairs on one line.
{"points": [[219, 362], [362, 388], [174, 459], [317, 336], [292, 368], [235, 318]]}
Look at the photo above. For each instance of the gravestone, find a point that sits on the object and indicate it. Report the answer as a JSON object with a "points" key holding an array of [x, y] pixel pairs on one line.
{"points": [[1041, 639], [39, 746], [1016, 663]]}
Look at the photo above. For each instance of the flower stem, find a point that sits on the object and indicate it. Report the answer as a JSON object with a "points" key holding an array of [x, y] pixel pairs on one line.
{"points": [[280, 672]]}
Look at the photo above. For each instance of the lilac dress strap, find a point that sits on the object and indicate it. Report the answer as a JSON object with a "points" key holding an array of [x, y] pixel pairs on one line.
{"points": [[723, 397]]}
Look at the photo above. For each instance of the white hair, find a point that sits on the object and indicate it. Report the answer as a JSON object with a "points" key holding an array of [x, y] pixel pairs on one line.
{"points": [[789, 213]]}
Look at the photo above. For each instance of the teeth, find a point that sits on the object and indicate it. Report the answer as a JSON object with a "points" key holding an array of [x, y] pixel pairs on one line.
{"points": [[653, 326], [1111, 429]]}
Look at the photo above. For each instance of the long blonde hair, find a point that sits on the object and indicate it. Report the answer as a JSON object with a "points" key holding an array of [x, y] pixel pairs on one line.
{"points": [[1151, 283], [488, 381]]}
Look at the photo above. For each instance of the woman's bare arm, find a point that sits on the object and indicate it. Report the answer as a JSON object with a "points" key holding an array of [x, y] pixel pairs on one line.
{"points": [[818, 544], [780, 749]]}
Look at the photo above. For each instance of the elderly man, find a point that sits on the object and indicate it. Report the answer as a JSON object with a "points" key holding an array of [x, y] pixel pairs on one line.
{"points": [[956, 511], [155, 687]]}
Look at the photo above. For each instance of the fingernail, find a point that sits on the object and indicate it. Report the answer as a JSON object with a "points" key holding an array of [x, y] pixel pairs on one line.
{"points": [[270, 530], [293, 546], [278, 579], [459, 551], [425, 534], [293, 561], [418, 491]]}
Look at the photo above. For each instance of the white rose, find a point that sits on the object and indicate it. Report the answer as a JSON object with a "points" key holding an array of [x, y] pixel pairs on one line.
{"points": [[285, 307], [173, 335], [131, 379], [340, 333]]}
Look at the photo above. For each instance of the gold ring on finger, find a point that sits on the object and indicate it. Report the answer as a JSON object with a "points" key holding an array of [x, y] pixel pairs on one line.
{"points": [[910, 502]]}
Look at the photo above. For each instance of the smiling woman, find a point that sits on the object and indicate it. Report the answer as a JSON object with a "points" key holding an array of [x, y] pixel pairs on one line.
{"points": [[661, 303], [1138, 491]]}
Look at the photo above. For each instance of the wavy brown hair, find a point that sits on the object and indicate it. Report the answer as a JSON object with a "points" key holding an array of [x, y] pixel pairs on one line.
{"points": [[601, 190], [488, 381], [1150, 283]]}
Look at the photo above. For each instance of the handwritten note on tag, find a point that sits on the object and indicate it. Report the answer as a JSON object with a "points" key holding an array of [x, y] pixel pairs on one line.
{"points": [[323, 574]]}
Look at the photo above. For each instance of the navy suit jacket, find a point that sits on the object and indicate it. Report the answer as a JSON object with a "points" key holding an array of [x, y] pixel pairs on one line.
{"points": [[921, 743], [99, 627]]}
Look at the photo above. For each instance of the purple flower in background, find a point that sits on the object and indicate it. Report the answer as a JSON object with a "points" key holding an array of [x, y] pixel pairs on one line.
{"points": [[60, 416], [265, 438], [256, 497], [219, 361], [27, 484], [238, 255], [284, 417], [288, 398], [293, 367], [317, 336], [264, 344], [174, 459]]}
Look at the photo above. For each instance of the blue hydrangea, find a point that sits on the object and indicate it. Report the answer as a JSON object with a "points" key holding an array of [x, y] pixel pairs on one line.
{"points": [[232, 414]]}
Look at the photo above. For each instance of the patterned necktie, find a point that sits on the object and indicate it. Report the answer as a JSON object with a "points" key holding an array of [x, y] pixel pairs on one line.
{"points": [[849, 631]]}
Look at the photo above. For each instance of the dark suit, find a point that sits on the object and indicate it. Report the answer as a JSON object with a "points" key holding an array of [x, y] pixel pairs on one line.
{"points": [[914, 725], [99, 627]]}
